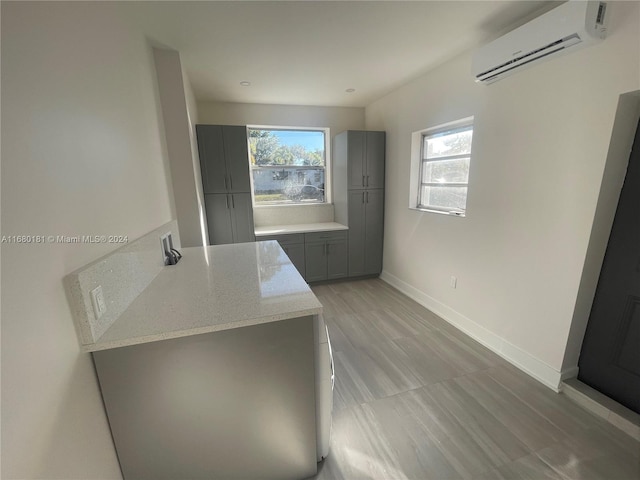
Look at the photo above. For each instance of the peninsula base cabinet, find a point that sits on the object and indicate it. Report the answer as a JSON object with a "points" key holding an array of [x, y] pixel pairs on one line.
{"points": [[238, 403], [326, 256], [229, 218]]}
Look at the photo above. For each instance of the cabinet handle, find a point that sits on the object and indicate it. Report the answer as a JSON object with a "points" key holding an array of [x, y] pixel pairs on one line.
{"points": [[367, 180], [233, 202], [362, 197], [363, 180], [225, 183]]}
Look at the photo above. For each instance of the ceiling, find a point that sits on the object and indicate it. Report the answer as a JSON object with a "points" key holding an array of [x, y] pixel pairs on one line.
{"points": [[311, 52]]}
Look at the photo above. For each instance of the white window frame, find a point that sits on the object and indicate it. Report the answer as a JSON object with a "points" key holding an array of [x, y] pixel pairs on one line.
{"points": [[417, 163], [328, 197]]}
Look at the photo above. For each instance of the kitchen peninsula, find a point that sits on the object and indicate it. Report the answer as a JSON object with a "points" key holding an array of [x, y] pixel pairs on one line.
{"points": [[210, 372]]}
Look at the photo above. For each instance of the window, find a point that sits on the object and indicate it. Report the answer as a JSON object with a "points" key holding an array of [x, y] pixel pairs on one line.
{"points": [[445, 155], [288, 166]]}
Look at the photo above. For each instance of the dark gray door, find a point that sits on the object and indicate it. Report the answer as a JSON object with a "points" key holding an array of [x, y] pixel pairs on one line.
{"points": [[242, 217], [610, 356], [374, 159], [212, 158], [374, 230], [219, 218], [237, 155]]}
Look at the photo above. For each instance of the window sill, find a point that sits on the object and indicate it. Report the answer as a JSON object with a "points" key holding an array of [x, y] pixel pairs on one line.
{"points": [[441, 212], [291, 205]]}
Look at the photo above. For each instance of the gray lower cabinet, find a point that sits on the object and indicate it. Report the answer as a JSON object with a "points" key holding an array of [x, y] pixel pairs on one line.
{"points": [[325, 255], [293, 246], [229, 218], [366, 231]]}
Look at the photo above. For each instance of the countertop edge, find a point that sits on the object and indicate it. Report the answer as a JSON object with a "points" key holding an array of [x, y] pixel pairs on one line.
{"points": [[111, 344], [298, 228]]}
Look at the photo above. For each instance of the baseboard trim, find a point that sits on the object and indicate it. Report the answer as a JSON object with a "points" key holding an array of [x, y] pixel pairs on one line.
{"points": [[523, 360]]}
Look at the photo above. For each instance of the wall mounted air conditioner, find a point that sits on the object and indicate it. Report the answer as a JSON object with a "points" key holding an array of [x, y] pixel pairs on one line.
{"points": [[572, 25]]}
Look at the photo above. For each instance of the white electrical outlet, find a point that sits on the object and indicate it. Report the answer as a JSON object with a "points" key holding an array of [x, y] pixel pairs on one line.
{"points": [[453, 282], [97, 299], [163, 247]]}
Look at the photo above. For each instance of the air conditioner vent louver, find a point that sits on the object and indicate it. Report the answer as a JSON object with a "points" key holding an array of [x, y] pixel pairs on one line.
{"points": [[553, 47], [570, 26]]}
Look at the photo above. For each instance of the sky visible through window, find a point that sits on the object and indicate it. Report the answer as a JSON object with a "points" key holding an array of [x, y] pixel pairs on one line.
{"points": [[309, 140]]}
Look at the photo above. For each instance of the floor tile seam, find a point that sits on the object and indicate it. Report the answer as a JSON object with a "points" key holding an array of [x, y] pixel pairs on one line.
{"points": [[442, 355], [525, 402], [567, 434], [491, 418], [504, 420], [415, 370]]}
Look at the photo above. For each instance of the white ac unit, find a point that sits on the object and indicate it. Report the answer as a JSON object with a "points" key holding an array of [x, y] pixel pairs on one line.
{"points": [[572, 25]]}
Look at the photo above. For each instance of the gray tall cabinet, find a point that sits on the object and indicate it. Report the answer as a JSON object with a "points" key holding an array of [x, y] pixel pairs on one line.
{"points": [[224, 163], [359, 158]]}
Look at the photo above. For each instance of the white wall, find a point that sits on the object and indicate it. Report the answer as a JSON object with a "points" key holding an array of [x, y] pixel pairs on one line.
{"points": [[179, 114], [337, 119], [540, 144], [81, 154]]}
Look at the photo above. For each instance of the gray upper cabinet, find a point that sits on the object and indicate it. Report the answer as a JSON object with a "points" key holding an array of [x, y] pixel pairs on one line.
{"points": [[224, 158], [236, 152], [224, 163], [374, 159], [365, 151]]}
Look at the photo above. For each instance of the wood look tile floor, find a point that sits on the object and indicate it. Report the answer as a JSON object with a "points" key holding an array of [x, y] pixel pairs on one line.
{"points": [[417, 399]]}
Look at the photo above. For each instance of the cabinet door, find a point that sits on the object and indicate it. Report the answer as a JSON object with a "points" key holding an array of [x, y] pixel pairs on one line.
{"points": [[336, 259], [315, 261], [373, 231], [236, 152], [212, 158], [355, 159], [356, 233], [295, 252], [242, 218], [219, 218], [374, 159]]}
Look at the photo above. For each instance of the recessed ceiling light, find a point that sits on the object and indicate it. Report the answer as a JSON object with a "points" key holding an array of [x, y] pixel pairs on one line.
{"points": [[350, 90], [245, 83]]}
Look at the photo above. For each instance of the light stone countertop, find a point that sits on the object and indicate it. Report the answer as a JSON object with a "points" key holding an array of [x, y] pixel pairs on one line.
{"points": [[211, 289], [298, 228]]}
